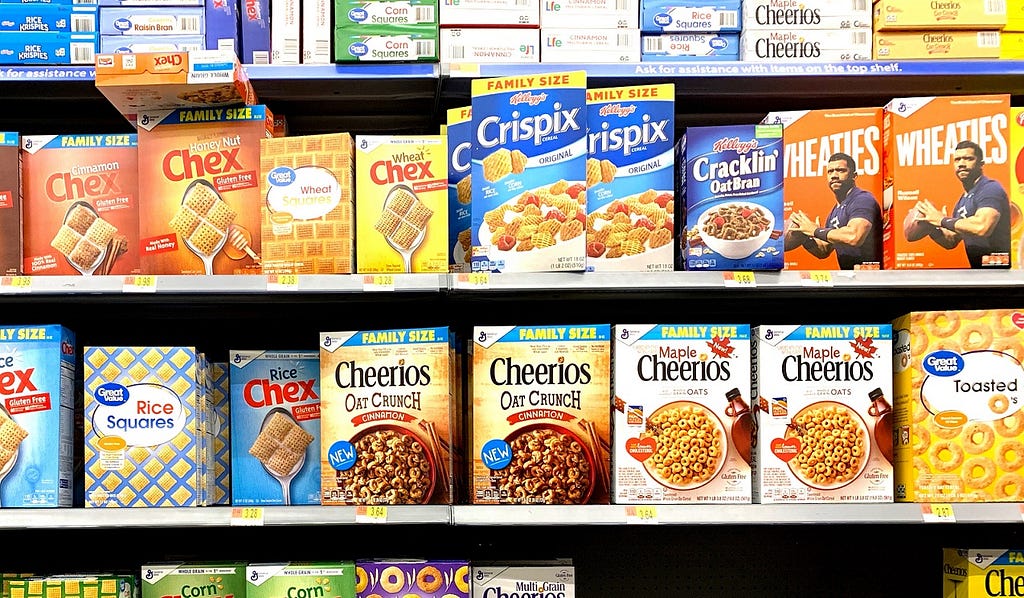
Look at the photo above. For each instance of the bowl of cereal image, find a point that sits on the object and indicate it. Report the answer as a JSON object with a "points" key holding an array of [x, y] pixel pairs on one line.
{"points": [[833, 445], [735, 230], [550, 465], [691, 445], [393, 466]]}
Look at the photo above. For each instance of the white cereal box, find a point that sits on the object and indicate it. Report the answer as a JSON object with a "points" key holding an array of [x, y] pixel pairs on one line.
{"points": [[683, 427], [806, 14], [460, 193], [511, 579], [529, 150], [824, 432], [591, 14], [568, 45], [489, 13], [792, 44], [482, 45]]}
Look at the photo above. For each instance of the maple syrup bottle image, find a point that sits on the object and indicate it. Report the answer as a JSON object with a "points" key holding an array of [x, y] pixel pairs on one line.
{"points": [[743, 427], [881, 410]]}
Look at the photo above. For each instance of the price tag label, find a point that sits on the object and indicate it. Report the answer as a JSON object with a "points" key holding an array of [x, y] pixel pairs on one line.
{"points": [[816, 278], [379, 282], [139, 284], [247, 516], [937, 513], [282, 282], [642, 514], [465, 69], [16, 284], [371, 514], [739, 279], [473, 280]]}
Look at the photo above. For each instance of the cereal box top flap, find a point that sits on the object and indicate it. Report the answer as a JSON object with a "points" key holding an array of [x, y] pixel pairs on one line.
{"points": [[368, 143], [167, 67], [462, 114], [37, 333], [258, 573], [485, 336], [906, 107], [191, 116], [560, 80], [154, 572], [240, 359], [558, 573], [331, 341], [631, 333], [8, 138], [36, 143], [660, 92], [983, 558]]}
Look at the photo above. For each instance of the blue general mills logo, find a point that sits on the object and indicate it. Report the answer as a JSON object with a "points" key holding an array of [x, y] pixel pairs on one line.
{"points": [[282, 176], [358, 49], [122, 24], [718, 43], [111, 394], [662, 20], [357, 14], [943, 363]]}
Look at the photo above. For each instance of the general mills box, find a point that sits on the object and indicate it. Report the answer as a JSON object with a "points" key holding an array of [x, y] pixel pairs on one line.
{"points": [[460, 192], [958, 14], [213, 579], [506, 579], [945, 173], [314, 579], [794, 44], [979, 572], [395, 579], [275, 427], [950, 43], [1016, 125], [10, 205]]}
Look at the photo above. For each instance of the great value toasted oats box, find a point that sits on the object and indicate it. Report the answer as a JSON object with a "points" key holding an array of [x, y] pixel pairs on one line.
{"points": [[412, 577], [540, 389], [220, 432], [10, 205], [950, 14], [529, 166], [806, 14], [460, 192], [945, 175], [683, 429], [311, 578], [951, 43], [981, 572], [824, 420], [213, 579], [630, 178], [76, 586], [386, 390], [832, 189], [1016, 125]]}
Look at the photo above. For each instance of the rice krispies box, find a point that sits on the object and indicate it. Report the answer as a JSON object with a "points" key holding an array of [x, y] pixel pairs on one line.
{"points": [[824, 427], [282, 580], [683, 430], [400, 579], [459, 133], [529, 173], [546, 389], [980, 572]]}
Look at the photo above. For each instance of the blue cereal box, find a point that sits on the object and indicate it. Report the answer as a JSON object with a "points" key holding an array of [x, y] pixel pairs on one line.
{"points": [[222, 25], [275, 428], [630, 178], [254, 31], [65, 18], [733, 193], [674, 47], [47, 47], [460, 143], [670, 16], [529, 173], [37, 399]]}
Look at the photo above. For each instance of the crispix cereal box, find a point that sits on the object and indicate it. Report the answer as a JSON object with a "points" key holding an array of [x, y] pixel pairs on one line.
{"points": [[981, 573], [529, 173]]}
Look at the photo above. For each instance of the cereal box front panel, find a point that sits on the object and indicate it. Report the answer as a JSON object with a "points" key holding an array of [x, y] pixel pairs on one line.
{"points": [[76, 586], [1016, 186], [10, 205], [502, 580], [547, 389], [313, 579], [981, 572], [398, 579], [460, 192], [213, 579]]}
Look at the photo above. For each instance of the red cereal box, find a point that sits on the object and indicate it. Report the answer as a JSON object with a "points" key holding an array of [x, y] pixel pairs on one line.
{"points": [[1016, 185]]}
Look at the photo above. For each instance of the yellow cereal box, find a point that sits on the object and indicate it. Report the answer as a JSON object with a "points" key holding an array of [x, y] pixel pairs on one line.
{"points": [[402, 206], [913, 45], [981, 573], [1011, 44], [1016, 186], [941, 14]]}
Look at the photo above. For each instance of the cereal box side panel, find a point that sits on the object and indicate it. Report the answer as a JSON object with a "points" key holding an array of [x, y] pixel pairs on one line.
{"points": [[1016, 186], [906, 406], [10, 205], [460, 193]]}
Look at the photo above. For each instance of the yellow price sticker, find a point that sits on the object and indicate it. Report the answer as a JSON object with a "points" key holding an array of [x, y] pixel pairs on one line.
{"points": [[379, 282], [646, 514], [140, 283], [473, 280], [282, 282], [15, 284], [938, 513], [247, 516], [739, 279], [816, 278], [371, 514]]}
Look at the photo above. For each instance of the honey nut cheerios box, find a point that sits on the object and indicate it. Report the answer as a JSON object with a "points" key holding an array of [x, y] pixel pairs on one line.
{"points": [[318, 578], [824, 420], [1016, 186], [981, 572], [963, 14], [459, 132], [217, 579], [540, 388], [405, 578]]}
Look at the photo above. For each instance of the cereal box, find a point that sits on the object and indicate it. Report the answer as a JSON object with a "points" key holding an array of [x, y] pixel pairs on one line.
{"points": [[81, 205], [529, 166], [669, 16], [540, 388], [945, 172], [482, 45], [220, 432], [402, 212], [199, 173], [460, 193], [317, 579], [568, 45], [212, 579], [47, 47], [76, 586], [308, 204], [980, 572], [37, 386], [805, 45], [806, 14], [427, 579], [682, 425], [673, 47], [489, 13], [732, 187], [961, 14], [912, 45], [254, 31], [630, 178], [353, 14], [120, 44], [10, 205], [275, 427], [556, 580], [152, 20], [832, 190], [583, 14], [386, 390], [6, 579], [824, 422], [386, 43], [1016, 124]]}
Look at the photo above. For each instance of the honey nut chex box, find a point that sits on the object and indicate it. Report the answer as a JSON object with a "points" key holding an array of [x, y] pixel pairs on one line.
{"points": [[981, 572]]}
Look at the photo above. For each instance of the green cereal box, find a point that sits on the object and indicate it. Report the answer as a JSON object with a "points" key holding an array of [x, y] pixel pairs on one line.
{"points": [[75, 586], [5, 582], [184, 579], [321, 579]]}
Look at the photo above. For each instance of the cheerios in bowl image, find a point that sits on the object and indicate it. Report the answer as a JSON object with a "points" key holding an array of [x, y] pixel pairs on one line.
{"points": [[833, 445]]}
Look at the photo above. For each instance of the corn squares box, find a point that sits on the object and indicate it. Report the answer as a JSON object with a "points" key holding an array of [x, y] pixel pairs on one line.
{"points": [[682, 428], [275, 425], [673, 47], [314, 578], [1016, 125], [386, 390], [213, 579], [508, 579], [540, 388], [959, 14], [460, 192], [386, 43], [980, 572], [806, 14], [220, 432], [10, 205], [824, 424], [402, 211], [945, 174], [705, 16], [833, 182], [913, 45], [427, 579], [353, 14], [529, 167], [76, 586]]}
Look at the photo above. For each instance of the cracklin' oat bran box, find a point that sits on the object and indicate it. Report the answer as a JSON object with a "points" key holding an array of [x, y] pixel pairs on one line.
{"points": [[315, 579], [540, 388], [459, 133], [386, 390], [1016, 124], [823, 428], [919, 140], [529, 173], [630, 178], [213, 579], [981, 573], [682, 427]]}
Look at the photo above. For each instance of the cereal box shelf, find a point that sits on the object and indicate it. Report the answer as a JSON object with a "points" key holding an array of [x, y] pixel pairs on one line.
{"points": [[220, 284]]}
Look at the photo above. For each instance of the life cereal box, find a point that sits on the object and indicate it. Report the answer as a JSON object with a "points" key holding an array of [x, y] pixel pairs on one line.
{"points": [[832, 189], [824, 421], [683, 430], [1016, 124], [402, 206], [460, 193], [529, 168], [980, 572], [10, 205], [958, 405], [406, 578], [80, 204], [945, 176], [631, 178], [199, 173], [540, 388], [315, 579], [386, 390], [732, 185], [217, 579]]}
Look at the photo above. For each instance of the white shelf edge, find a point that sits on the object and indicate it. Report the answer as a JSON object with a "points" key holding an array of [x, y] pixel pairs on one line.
{"points": [[217, 284]]}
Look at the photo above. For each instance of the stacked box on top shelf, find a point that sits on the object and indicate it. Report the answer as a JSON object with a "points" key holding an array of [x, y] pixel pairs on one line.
{"points": [[690, 30], [967, 29], [151, 28], [385, 31], [816, 30], [45, 33], [1011, 38], [582, 31], [489, 31]]}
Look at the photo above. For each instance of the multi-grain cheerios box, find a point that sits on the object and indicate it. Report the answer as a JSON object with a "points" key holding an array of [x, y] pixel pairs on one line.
{"points": [[1016, 124], [459, 133], [824, 421], [402, 578], [275, 427], [540, 388], [507, 579], [529, 172], [981, 572], [402, 205], [958, 418], [682, 425], [76, 586], [386, 390], [220, 432], [214, 579], [630, 182], [313, 579]]}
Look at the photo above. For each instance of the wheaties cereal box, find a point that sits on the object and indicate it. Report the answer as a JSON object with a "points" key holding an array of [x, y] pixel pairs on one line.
{"points": [[460, 192], [528, 172], [682, 427], [733, 191], [546, 389], [824, 423], [398, 579], [144, 422], [945, 173], [199, 173], [1016, 185], [386, 390], [214, 579], [832, 189], [319, 579], [508, 579], [275, 426], [220, 432], [76, 586], [80, 204], [981, 573], [630, 178], [10, 205], [402, 207], [37, 402]]}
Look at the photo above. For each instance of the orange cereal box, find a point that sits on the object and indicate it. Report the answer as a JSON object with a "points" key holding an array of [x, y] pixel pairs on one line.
{"points": [[199, 173], [1016, 185], [81, 204], [832, 189], [945, 177]]}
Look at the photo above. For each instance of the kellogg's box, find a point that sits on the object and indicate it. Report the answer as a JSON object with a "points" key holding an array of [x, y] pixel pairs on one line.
{"points": [[460, 192]]}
